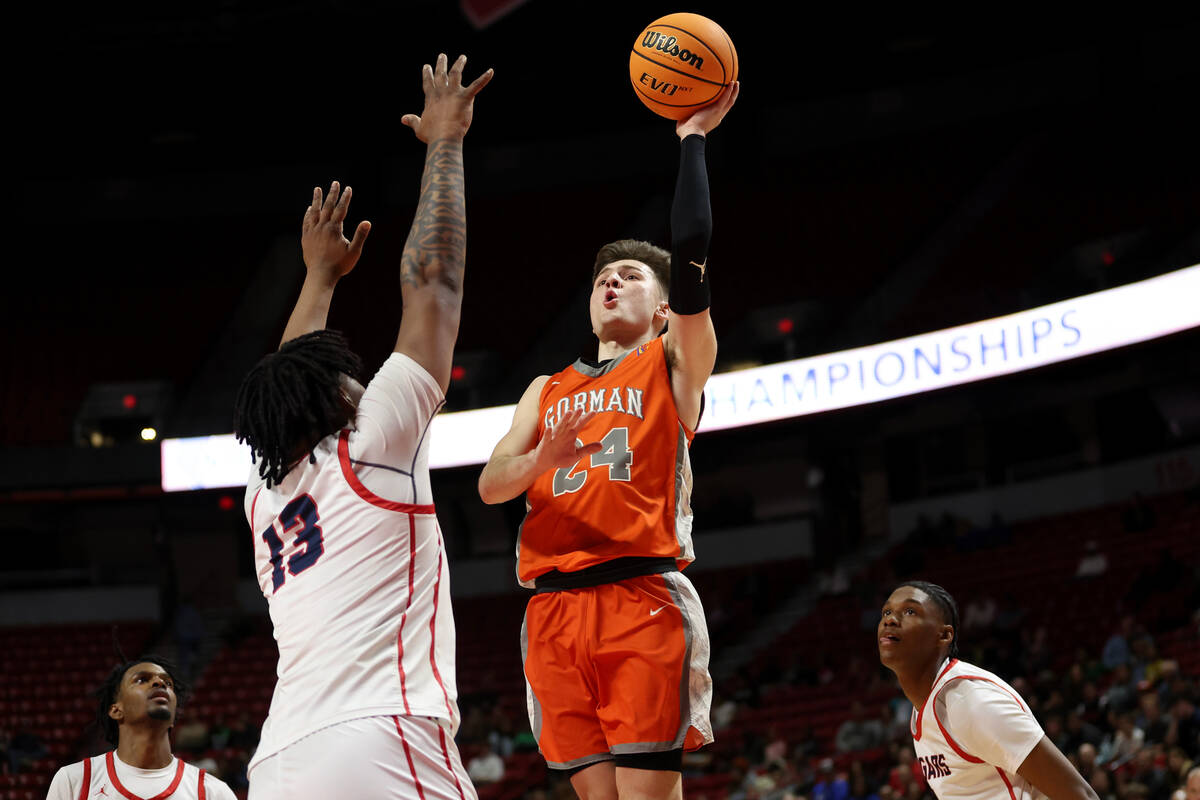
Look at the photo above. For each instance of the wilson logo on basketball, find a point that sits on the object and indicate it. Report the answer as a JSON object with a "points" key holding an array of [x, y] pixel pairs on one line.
{"points": [[670, 46]]}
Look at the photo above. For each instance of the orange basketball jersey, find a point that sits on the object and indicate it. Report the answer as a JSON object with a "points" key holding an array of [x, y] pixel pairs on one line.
{"points": [[633, 498]]}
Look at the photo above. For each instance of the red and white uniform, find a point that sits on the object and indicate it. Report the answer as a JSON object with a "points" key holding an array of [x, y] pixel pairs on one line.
{"points": [[350, 557], [107, 777], [972, 735]]}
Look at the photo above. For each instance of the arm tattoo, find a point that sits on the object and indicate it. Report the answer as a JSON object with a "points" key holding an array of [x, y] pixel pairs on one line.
{"points": [[437, 242]]}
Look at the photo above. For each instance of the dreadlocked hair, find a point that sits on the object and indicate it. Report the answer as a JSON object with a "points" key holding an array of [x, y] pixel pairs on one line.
{"points": [[107, 694], [945, 603], [292, 398]]}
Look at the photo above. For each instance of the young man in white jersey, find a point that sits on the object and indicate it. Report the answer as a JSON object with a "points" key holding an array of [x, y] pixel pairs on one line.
{"points": [[974, 736], [347, 546], [137, 708]]}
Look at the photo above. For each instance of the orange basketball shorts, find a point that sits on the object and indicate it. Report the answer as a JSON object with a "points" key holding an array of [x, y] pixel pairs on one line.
{"points": [[618, 668]]}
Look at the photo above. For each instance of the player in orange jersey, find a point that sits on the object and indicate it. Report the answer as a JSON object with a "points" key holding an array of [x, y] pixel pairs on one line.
{"points": [[615, 644]]}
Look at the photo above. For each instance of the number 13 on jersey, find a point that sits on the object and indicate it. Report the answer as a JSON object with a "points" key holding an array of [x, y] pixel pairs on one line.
{"points": [[616, 455], [299, 522]]}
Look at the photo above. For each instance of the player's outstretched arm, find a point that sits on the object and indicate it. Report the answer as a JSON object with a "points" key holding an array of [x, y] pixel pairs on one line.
{"points": [[1053, 775], [328, 256], [431, 268], [519, 458], [691, 341]]}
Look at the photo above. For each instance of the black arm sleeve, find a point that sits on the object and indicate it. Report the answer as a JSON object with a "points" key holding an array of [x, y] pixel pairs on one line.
{"points": [[691, 229]]}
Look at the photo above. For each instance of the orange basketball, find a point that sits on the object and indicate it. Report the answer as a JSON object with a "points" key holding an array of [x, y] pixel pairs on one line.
{"points": [[680, 63]]}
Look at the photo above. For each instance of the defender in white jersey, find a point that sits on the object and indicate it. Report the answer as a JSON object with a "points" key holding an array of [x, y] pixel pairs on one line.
{"points": [[973, 734], [347, 546], [137, 709]]}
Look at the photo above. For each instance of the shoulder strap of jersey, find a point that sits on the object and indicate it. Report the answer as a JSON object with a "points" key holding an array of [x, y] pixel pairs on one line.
{"points": [[200, 786], [87, 779]]}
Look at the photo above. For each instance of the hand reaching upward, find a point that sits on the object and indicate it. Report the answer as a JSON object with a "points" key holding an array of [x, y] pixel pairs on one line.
{"points": [[327, 252], [448, 104]]}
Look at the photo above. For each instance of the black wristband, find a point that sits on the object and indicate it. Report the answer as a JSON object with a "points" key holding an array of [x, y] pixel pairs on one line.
{"points": [[691, 229]]}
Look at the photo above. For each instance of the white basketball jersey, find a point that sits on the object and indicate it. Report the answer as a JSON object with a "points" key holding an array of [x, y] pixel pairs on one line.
{"points": [[108, 778], [356, 580], [972, 734]]}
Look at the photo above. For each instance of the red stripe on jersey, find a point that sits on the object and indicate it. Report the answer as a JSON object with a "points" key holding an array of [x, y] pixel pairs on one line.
{"points": [[1007, 785], [116, 782], [437, 582], [254, 505], [363, 491], [921, 713], [449, 768], [200, 786], [412, 554], [87, 779], [408, 755]]}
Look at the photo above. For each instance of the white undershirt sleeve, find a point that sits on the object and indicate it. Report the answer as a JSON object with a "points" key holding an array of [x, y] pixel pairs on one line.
{"points": [[988, 722]]}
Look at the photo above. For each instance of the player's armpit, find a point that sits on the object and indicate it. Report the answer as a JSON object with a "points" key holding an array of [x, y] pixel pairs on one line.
{"points": [[691, 346], [1050, 771], [509, 471]]}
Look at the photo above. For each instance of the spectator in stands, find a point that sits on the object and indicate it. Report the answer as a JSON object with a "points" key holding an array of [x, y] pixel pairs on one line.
{"points": [[136, 711], [906, 771], [500, 737], [830, 785], [1178, 766], [1116, 649], [1185, 726], [218, 735], [1119, 746], [24, 747], [192, 735], [980, 613], [244, 734], [724, 710], [1120, 695], [486, 767], [1085, 760], [1151, 774], [858, 733], [1192, 787], [1151, 719], [1147, 667], [1079, 732], [1093, 563], [1103, 785]]}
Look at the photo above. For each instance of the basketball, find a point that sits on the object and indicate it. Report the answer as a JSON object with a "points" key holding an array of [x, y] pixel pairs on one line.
{"points": [[681, 63]]}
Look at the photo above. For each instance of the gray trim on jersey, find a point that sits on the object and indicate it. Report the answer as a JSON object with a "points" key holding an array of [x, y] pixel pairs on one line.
{"points": [[645, 747], [587, 369], [683, 497], [533, 707], [685, 695], [594, 758], [520, 531]]}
